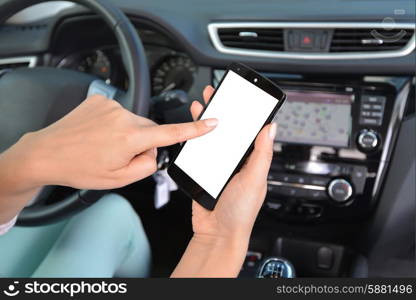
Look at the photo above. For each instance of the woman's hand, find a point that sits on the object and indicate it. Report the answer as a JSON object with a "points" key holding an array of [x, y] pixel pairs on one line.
{"points": [[221, 236], [240, 202], [99, 145]]}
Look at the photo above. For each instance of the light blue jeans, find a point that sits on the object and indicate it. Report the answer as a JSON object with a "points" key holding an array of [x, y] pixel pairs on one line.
{"points": [[105, 240]]}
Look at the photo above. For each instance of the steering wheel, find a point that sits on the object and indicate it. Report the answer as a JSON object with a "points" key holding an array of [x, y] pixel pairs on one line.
{"points": [[33, 98]]}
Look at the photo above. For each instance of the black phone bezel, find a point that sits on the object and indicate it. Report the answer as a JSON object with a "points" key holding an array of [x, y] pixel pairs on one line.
{"points": [[185, 182]]}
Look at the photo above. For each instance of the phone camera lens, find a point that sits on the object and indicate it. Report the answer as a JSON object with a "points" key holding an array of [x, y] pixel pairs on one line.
{"points": [[255, 79]]}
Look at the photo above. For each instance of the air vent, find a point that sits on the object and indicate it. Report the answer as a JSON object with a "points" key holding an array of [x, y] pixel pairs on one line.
{"points": [[20, 28], [16, 62], [252, 38], [358, 40], [14, 65], [343, 40]]}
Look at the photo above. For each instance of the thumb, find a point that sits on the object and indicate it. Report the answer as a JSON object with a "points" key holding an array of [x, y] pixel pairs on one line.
{"points": [[166, 135], [141, 166], [258, 164]]}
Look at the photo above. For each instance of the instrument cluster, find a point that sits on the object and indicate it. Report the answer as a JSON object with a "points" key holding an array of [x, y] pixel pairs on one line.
{"points": [[169, 69]]}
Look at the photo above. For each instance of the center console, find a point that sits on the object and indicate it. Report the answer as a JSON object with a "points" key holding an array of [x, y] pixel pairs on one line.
{"points": [[330, 151], [332, 148]]}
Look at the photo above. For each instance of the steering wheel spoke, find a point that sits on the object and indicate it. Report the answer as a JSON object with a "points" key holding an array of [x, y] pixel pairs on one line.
{"points": [[99, 87]]}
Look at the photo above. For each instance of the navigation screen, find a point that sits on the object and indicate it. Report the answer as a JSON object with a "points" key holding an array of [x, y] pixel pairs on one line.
{"points": [[317, 118]]}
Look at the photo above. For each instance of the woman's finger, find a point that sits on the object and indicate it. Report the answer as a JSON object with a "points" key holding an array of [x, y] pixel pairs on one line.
{"points": [[207, 93], [170, 134], [258, 164], [196, 109]]}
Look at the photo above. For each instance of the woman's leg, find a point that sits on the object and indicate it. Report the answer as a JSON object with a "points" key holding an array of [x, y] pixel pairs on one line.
{"points": [[105, 240], [22, 249]]}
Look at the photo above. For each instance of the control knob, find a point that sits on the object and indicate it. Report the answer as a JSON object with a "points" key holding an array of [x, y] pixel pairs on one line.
{"points": [[368, 140], [340, 190]]}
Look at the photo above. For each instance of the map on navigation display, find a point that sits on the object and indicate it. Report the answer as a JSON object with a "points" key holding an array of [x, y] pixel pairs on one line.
{"points": [[315, 118]]}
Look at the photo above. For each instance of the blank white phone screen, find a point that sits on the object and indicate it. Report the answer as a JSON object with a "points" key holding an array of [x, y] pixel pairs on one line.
{"points": [[241, 109]]}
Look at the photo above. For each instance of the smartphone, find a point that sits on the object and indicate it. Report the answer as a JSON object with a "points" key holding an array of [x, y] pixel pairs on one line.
{"points": [[244, 102]]}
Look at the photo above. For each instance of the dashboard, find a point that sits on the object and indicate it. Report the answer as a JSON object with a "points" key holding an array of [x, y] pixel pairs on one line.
{"points": [[335, 135], [188, 26]]}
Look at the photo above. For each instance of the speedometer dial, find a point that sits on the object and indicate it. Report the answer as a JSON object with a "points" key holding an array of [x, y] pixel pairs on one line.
{"points": [[175, 72]]}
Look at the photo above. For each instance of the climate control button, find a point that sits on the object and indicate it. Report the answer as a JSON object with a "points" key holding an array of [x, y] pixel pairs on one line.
{"points": [[340, 190]]}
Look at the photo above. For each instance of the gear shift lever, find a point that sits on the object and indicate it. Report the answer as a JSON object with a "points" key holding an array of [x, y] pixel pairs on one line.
{"points": [[276, 267]]}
